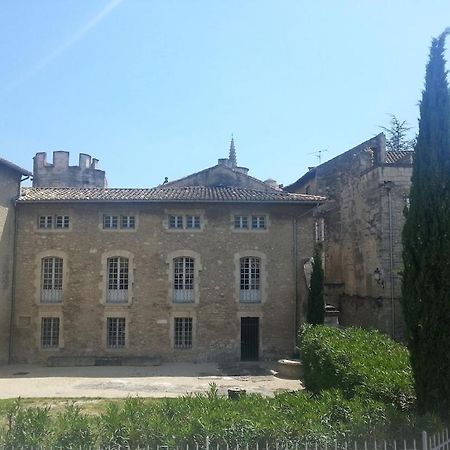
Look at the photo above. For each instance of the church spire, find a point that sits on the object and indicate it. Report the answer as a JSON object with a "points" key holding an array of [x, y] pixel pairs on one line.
{"points": [[232, 155]]}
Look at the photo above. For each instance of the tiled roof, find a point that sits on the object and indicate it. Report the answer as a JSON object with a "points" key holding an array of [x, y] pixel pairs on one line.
{"points": [[160, 194], [15, 167], [396, 156]]}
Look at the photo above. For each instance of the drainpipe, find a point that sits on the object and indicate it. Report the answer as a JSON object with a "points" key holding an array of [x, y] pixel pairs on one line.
{"points": [[388, 185], [13, 287], [295, 249], [13, 277]]}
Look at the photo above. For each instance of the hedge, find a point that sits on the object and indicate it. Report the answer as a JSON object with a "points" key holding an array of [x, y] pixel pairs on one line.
{"points": [[358, 362]]}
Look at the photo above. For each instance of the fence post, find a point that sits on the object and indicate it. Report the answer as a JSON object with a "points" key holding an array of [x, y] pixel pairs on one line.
{"points": [[424, 440], [207, 443]]}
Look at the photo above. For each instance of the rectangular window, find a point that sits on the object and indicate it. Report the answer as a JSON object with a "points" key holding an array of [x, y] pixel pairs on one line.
{"points": [[117, 280], [241, 222], [127, 222], [183, 332], [193, 222], [51, 279], [62, 222], [250, 288], [175, 221], [319, 230], [110, 222], [183, 280], [115, 332], [258, 222], [50, 332], [45, 221]]}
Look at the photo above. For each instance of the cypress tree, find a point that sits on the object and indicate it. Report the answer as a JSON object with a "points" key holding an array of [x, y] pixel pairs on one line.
{"points": [[426, 243], [316, 308]]}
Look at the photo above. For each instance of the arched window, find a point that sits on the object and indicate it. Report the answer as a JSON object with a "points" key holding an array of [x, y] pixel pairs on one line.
{"points": [[51, 279], [183, 279], [250, 280], [117, 283]]}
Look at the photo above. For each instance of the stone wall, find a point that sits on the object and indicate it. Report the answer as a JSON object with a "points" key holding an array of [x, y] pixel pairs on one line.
{"points": [[150, 314], [9, 189]]}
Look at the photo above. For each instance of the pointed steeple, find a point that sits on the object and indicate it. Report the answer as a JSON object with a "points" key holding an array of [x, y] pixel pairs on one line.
{"points": [[232, 155]]}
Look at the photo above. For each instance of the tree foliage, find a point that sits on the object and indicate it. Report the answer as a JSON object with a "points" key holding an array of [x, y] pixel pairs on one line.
{"points": [[426, 243], [316, 306], [397, 135]]}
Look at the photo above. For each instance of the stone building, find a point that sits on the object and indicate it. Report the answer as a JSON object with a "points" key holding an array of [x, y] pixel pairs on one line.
{"points": [[360, 227], [10, 178], [205, 268]]}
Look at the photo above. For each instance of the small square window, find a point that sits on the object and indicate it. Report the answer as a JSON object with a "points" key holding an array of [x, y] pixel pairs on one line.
{"points": [[175, 221], [193, 222], [127, 222], [110, 222], [241, 222], [62, 222], [115, 332], [183, 332], [45, 221], [258, 222]]}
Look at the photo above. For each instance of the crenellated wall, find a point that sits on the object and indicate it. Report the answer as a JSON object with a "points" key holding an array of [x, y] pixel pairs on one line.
{"points": [[61, 174]]}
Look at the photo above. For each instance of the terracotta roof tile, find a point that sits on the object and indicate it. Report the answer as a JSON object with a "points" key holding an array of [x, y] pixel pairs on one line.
{"points": [[160, 194]]}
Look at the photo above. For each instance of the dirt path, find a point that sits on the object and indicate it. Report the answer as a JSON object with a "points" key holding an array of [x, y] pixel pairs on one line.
{"points": [[166, 380]]}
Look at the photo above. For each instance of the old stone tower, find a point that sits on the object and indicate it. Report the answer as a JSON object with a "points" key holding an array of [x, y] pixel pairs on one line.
{"points": [[60, 174]]}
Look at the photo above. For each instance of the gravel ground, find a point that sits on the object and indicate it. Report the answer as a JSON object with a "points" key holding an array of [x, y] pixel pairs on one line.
{"points": [[165, 380]]}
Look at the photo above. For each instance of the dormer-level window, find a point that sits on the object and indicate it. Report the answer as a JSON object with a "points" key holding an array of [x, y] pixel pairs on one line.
{"points": [[51, 222], [253, 222], [116, 222], [184, 222], [258, 222]]}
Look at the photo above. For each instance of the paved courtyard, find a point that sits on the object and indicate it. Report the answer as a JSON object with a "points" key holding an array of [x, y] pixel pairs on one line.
{"points": [[165, 380]]}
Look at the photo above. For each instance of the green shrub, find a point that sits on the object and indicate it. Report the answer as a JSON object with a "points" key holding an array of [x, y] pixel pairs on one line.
{"points": [[357, 361]]}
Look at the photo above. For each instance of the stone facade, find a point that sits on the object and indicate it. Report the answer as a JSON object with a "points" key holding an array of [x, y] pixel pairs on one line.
{"points": [[210, 233], [367, 189], [10, 177]]}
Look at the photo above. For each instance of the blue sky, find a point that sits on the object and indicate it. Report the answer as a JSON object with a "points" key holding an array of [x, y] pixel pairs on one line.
{"points": [[154, 88]]}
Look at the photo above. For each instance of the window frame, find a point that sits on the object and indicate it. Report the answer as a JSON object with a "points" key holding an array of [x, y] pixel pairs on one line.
{"points": [[183, 333], [248, 222], [52, 275], [54, 343], [250, 275], [116, 339], [117, 276], [54, 222]]}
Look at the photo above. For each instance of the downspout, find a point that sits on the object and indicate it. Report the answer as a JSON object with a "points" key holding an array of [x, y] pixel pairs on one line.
{"points": [[295, 249], [13, 278], [388, 185]]}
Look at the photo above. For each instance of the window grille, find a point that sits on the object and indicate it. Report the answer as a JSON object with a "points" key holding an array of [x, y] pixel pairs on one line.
{"points": [[193, 222], [183, 279], [127, 222], [319, 230], [51, 279], [183, 332], [241, 222], [62, 222], [115, 332], [110, 222], [250, 287], [117, 280], [258, 222], [50, 332], [175, 221], [45, 221]]}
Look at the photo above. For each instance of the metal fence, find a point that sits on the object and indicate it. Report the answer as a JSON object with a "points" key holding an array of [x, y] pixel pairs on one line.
{"points": [[436, 441]]}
